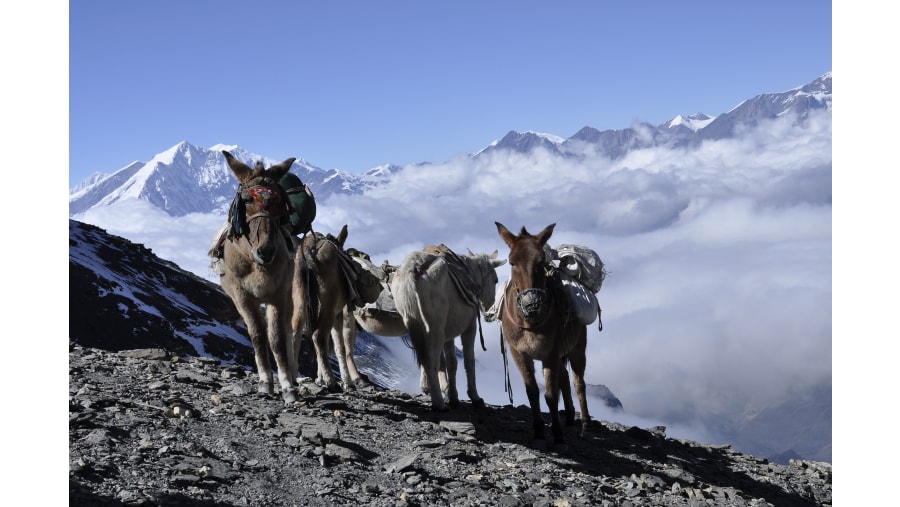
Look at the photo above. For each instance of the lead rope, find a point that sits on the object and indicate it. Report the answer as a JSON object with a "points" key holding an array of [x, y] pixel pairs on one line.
{"points": [[599, 318], [508, 386]]}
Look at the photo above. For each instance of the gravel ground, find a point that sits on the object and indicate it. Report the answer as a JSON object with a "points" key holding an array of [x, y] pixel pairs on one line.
{"points": [[146, 428]]}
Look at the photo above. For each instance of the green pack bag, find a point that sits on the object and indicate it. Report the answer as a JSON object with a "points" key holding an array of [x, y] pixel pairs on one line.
{"points": [[303, 202]]}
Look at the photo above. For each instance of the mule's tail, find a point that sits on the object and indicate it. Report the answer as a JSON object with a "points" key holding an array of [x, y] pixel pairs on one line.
{"points": [[305, 292], [409, 306]]}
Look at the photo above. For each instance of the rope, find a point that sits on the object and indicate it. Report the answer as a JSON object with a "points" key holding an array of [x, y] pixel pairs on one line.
{"points": [[467, 294], [508, 385], [599, 318]]}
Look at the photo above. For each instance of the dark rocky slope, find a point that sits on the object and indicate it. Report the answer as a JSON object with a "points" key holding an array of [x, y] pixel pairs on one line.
{"points": [[149, 428]]}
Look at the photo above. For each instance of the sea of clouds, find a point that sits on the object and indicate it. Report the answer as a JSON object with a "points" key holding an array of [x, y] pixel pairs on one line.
{"points": [[718, 298]]}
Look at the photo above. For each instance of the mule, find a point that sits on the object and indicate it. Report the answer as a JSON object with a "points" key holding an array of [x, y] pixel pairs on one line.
{"points": [[537, 326], [257, 269], [323, 302], [435, 311]]}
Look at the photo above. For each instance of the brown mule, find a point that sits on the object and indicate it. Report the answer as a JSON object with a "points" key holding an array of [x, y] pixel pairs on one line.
{"points": [[323, 303], [535, 324], [257, 269]]}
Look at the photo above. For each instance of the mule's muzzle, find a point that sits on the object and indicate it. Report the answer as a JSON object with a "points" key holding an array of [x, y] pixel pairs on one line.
{"points": [[265, 252], [263, 257], [532, 303]]}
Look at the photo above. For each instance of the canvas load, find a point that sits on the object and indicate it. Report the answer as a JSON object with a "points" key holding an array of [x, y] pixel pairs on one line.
{"points": [[302, 201], [584, 303], [582, 264]]}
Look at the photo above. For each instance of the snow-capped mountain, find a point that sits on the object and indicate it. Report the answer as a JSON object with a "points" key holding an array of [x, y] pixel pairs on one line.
{"points": [[693, 122], [186, 178], [797, 102], [679, 131], [189, 179]]}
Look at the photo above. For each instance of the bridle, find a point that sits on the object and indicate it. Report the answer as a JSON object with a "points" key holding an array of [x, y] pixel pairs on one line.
{"points": [[530, 302], [271, 200]]}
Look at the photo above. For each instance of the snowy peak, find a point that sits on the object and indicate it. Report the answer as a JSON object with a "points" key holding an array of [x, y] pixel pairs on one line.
{"points": [[693, 122], [681, 131], [524, 142], [794, 104], [188, 179]]}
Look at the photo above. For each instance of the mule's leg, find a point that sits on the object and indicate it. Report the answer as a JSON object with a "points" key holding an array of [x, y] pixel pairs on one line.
{"points": [[566, 390], [448, 359], [442, 374], [300, 314], [442, 377], [320, 338], [552, 376], [278, 331], [525, 364], [337, 341], [423, 381], [349, 332], [578, 360], [256, 328], [435, 344], [468, 348], [324, 376]]}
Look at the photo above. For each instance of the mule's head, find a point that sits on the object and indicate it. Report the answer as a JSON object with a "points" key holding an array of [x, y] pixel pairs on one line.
{"points": [[485, 270], [528, 270], [259, 207]]}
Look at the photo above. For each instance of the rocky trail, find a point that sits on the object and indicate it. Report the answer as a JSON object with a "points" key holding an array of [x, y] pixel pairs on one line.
{"points": [[151, 429]]}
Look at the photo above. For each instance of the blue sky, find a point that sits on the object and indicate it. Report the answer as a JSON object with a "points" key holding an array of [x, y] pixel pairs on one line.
{"points": [[353, 85]]}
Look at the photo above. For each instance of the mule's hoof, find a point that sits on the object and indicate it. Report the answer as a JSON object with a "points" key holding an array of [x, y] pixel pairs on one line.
{"points": [[289, 396], [442, 408], [559, 440], [454, 404], [559, 446], [264, 388], [478, 404]]}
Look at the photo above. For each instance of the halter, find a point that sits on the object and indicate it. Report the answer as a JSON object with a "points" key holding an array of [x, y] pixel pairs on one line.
{"points": [[542, 297], [270, 198]]}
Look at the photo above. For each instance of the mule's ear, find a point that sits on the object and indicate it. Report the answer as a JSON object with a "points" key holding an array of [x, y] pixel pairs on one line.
{"points": [[497, 263], [241, 170], [342, 236], [279, 170], [507, 236], [544, 235], [494, 255], [471, 253]]}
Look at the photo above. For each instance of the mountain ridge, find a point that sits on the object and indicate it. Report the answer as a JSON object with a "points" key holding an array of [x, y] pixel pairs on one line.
{"points": [[204, 184]]}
